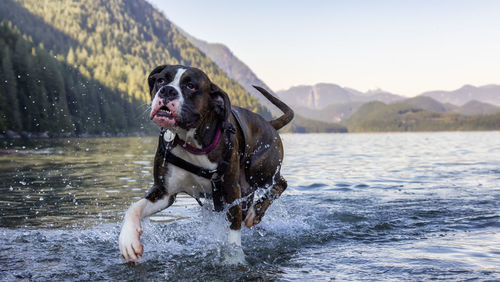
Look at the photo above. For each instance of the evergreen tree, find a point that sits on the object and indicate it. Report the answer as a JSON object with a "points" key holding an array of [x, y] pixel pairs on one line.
{"points": [[22, 63], [9, 105]]}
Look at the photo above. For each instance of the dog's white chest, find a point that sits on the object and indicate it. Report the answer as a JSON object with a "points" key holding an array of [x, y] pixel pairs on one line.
{"points": [[179, 180]]}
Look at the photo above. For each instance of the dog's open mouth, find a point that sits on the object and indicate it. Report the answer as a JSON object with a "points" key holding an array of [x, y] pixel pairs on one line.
{"points": [[164, 116], [164, 111]]}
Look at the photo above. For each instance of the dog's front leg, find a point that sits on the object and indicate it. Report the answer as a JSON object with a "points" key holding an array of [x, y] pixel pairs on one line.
{"points": [[131, 248], [235, 254], [235, 213], [234, 216]]}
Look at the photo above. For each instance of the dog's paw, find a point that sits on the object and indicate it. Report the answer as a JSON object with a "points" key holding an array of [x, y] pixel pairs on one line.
{"points": [[234, 255], [251, 219], [131, 248], [234, 238]]}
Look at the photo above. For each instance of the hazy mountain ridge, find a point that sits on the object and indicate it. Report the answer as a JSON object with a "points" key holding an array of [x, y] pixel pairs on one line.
{"points": [[332, 113], [241, 73], [233, 67], [321, 95], [487, 94], [331, 103]]}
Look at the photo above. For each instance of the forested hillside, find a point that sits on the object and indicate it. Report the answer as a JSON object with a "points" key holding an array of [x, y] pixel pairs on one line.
{"points": [[108, 46], [40, 94], [379, 117], [301, 124]]}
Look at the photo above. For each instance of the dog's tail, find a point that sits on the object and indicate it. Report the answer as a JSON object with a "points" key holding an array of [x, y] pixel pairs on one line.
{"points": [[288, 112]]}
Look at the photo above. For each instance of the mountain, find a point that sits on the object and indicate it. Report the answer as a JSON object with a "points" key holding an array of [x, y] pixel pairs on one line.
{"points": [[41, 95], [427, 103], [470, 108], [110, 46], [486, 94], [323, 94], [332, 103], [331, 113], [241, 73], [382, 96], [477, 108], [380, 117], [317, 96], [301, 124], [73, 67], [233, 67]]}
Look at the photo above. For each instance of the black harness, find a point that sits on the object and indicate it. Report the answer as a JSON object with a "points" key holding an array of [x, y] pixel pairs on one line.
{"points": [[215, 176]]}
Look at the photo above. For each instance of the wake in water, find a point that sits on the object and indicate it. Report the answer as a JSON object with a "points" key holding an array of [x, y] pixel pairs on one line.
{"points": [[300, 236], [177, 249], [204, 237]]}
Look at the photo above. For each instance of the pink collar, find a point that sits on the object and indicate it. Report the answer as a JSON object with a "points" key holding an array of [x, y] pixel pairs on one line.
{"points": [[196, 151]]}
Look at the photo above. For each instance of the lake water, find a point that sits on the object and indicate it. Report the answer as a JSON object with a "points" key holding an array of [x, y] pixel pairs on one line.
{"points": [[399, 206]]}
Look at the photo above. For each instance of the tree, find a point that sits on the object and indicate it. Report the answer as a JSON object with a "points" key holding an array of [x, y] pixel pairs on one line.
{"points": [[9, 118]]}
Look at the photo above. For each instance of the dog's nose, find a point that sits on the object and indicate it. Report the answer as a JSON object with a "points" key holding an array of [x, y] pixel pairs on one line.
{"points": [[168, 91]]}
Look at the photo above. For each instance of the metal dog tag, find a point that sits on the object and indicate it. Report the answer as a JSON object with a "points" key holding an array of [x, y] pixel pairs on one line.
{"points": [[168, 136]]}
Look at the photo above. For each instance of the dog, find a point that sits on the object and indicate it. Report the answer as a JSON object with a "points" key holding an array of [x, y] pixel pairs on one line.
{"points": [[230, 153]]}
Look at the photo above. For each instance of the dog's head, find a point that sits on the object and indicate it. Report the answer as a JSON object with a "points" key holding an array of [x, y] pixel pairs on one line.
{"points": [[183, 97]]}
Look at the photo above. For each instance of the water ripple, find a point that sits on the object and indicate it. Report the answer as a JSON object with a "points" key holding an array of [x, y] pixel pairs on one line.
{"points": [[359, 207]]}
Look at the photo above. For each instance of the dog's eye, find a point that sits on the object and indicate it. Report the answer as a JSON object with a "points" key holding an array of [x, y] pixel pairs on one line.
{"points": [[190, 86], [160, 81]]}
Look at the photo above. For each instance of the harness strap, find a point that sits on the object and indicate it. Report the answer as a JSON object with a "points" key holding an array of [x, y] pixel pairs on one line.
{"points": [[245, 130], [200, 171], [202, 151], [215, 176]]}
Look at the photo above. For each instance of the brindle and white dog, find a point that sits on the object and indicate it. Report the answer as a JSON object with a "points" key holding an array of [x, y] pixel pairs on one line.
{"points": [[188, 104]]}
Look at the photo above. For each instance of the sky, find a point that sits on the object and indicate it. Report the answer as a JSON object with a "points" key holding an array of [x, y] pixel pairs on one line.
{"points": [[404, 47]]}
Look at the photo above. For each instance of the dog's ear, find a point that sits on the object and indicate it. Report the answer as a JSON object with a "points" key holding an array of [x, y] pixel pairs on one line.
{"points": [[220, 102], [151, 79]]}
